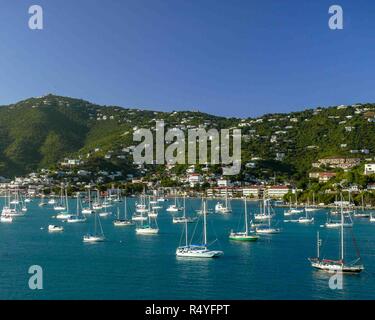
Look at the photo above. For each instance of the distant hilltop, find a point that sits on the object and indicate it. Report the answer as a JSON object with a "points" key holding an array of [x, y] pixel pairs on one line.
{"points": [[41, 132]]}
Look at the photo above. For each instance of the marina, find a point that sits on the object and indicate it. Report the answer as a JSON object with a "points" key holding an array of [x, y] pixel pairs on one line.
{"points": [[132, 266]]}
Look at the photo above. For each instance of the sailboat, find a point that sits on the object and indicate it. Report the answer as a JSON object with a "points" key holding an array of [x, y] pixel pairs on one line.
{"points": [[312, 208], [96, 236], [184, 218], [362, 213], [140, 210], [306, 219], [88, 210], [105, 213], [77, 218], [123, 222], [267, 228], [148, 228], [331, 224], [42, 202], [61, 206], [336, 265], [201, 250], [244, 235], [174, 207], [5, 216], [262, 215], [372, 218], [220, 208], [97, 204], [11, 208], [292, 210]]}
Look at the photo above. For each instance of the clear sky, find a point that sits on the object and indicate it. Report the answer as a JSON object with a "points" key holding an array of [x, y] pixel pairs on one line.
{"points": [[232, 58]]}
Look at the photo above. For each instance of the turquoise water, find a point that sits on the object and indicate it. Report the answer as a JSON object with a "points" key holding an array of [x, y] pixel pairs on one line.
{"points": [[130, 266]]}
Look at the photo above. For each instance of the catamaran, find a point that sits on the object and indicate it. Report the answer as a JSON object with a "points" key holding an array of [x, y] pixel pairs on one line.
{"points": [[244, 235], [220, 208], [123, 222], [96, 236], [336, 265], [77, 218], [201, 250]]}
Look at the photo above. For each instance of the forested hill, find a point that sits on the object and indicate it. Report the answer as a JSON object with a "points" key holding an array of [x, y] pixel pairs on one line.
{"points": [[40, 132]]}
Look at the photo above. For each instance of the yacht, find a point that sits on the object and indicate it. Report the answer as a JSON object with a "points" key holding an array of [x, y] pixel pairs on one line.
{"points": [[125, 221], [221, 208], [244, 235], [77, 218], [200, 250], [337, 265], [98, 235], [53, 228]]}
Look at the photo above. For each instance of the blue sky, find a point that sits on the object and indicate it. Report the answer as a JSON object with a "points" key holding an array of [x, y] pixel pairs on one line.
{"points": [[232, 58]]}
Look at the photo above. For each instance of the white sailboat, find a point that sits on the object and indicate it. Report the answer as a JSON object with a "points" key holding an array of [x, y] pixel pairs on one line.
{"points": [[292, 211], [78, 218], [221, 208], [201, 250], [12, 207], [174, 207], [362, 213], [183, 218], [89, 209], [61, 206], [140, 210], [123, 222], [148, 229], [332, 224], [98, 235], [336, 265], [267, 228], [312, 208], [263, 214]]}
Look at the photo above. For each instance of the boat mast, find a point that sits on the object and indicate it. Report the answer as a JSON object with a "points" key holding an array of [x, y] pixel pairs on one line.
{"points": [[126, 209], [204, 223], [66, 200], [342, 231], [89, 197], [318, 244], [77, 213], [246, 226], [186, 226]]}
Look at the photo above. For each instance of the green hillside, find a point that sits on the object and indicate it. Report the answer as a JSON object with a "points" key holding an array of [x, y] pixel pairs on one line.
{"points": [[39, 132]]}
